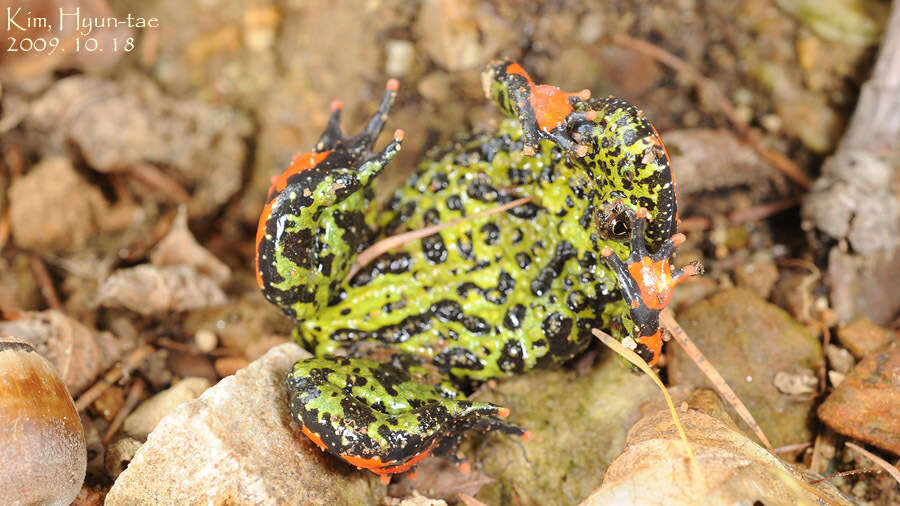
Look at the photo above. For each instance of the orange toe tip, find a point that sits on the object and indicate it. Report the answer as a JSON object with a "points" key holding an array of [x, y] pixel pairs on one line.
{"points": [[678, 239], [392, 85], [503, 412], [591, 115], [584, 94], [581, 150], [336, 105], [385, 479], [412, 475], [642, 212], [527, 435], [465, 467], [606, 251], [399, 134], [529, 151]]}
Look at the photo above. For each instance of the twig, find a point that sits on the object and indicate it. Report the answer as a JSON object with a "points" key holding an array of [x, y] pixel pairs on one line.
{"points": [[158, 179], [44, 281], [792, 448], [134, 396], [117, 371], [4, 229], [880, 462], [710, 90], [668, 321], [763, 211], [384, 245]]}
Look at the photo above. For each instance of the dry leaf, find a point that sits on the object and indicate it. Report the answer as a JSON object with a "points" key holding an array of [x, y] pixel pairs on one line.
{"points": [[151, 290], [179, 247]]}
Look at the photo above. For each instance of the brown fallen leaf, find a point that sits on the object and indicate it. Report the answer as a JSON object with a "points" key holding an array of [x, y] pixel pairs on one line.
{"points": [[148, 289], [79, 353], [179, 247], [653, 469]]}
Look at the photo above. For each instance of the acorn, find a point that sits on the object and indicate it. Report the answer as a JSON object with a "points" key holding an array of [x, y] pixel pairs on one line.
{"points": [[42, 446]]}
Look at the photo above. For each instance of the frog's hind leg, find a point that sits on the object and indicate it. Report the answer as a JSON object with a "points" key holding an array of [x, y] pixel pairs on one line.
{"points": [[319, 214], [376, 416]]}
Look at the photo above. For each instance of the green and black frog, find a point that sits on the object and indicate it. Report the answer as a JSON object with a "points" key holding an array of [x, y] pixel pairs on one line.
{"points": [[397, 341]]}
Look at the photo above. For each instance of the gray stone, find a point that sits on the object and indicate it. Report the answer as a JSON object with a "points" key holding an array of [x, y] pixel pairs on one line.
{"points": [[237, 444]]}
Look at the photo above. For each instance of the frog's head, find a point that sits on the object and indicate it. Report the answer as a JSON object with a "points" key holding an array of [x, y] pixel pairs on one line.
{"points": [[647, 281]]}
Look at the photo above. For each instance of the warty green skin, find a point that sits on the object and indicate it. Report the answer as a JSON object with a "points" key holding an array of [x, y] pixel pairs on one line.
{"points": [[486, 298]]}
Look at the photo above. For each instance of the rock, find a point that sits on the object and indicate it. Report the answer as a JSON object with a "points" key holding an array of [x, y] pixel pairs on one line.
{"points": [[654, 468], [144, 419], [750, 341], [863, 338], [238, 444], [579, 424], [37, 219], [839, 359], [461, 35], [866, 405], [758, 275]]}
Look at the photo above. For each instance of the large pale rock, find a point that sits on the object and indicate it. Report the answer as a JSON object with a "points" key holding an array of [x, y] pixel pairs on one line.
{"points": [[579, 424], [237, 444], [147, 416], [757, 348]]}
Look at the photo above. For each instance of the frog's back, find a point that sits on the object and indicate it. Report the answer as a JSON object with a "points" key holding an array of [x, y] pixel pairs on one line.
{"points": [[492, 295]]}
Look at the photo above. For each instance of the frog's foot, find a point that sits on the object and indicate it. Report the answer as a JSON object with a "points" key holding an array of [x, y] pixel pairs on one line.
{"points": [[376, 416], [647, 282], [544, 111], [290, 258]]}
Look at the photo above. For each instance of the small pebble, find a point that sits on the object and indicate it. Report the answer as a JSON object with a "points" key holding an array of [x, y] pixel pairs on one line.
{"points": [[206, 340]]}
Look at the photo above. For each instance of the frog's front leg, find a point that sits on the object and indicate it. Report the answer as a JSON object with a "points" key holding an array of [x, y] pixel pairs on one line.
{"points": [[319, 215], [376, 416]]}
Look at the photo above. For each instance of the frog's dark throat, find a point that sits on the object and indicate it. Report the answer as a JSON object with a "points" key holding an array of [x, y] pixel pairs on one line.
{"points": [[485, 298]]}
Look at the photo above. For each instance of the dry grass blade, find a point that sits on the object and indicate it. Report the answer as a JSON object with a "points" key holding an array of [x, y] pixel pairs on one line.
{"points": [[385, 245], [880, 462], [717, 380], [633, 357]]}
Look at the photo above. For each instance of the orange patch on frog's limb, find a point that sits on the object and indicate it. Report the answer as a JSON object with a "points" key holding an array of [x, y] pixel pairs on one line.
{"points": [[655, 280], [654, 343], [313, 437], [377, 466], [299, 164], [551, 105]]}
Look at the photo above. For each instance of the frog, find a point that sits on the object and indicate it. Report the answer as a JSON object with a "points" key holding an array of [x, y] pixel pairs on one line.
{"points": [[584, 239]]}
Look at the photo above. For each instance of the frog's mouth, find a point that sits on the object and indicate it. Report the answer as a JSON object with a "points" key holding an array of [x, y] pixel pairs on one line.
{"points": [[647, 281]]}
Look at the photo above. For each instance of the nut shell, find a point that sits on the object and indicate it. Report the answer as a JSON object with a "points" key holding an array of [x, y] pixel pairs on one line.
{"points": [[42, 445]]}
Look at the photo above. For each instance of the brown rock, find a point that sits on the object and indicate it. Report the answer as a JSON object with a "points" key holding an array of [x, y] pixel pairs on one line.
{"points": [[866, 405], [863, 338], [237, 444], [37, 218], [750, 342], [758, 275]]}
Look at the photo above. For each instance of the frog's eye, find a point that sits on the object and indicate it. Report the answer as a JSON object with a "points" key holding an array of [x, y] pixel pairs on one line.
{"points": [[619, 226]]}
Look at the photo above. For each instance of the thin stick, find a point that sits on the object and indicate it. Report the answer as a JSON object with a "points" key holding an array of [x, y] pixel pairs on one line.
{"points": [[782, 163], [42, 275], [388, 243], [4, 229], [792, 448], [763, 211], [134, 396], [158, 179], [848, 473], [717, 380], [880, 462], [117, 371], [633, 357]]}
